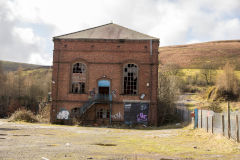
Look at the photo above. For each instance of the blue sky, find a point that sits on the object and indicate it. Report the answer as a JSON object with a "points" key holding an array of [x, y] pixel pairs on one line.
{"points": [[27, 26]]}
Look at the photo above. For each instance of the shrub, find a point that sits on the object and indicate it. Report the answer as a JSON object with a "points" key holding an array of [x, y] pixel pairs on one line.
{"points": [[215, 107], [169, 89], [23, 115], [228, 84], [190, 89], [44, 112], [196, 79]]}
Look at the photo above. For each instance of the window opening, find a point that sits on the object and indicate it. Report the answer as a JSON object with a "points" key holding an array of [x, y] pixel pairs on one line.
{"points": [[78, 78], [130, 79]]}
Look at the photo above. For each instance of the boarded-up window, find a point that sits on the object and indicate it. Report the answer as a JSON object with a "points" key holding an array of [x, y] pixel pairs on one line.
{"points": [[79, 78], [135, 113], [130, 75]]}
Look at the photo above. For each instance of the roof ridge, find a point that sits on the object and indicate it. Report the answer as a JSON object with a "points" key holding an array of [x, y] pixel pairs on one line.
{"points": [[83, 30], [135, 31], [103, 32]]}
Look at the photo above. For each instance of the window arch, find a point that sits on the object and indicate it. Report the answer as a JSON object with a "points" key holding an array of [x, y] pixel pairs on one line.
{"points": [[78, 78], [130, 78]]}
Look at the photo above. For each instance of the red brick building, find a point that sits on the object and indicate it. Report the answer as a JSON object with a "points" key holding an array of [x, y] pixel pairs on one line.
{"points": [[106, 74]]}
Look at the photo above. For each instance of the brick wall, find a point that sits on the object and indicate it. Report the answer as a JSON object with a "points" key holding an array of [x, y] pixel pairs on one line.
{"points": [[104, 60]]}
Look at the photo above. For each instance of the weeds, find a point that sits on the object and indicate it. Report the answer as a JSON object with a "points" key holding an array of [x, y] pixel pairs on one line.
{"points": [[23, 115]]}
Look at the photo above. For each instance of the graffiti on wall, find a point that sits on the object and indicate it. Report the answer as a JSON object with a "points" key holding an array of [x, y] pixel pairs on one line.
{"points": [[63, 114], [136, 113], [141, 117], [143, 106], [117, 116]]}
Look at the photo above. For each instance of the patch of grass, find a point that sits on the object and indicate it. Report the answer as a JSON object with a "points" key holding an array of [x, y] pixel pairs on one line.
{"points": [[186, 144], [192, 72], [190, 106]]}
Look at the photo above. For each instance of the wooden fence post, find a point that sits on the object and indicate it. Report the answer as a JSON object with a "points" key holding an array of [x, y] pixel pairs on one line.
{"points": [[212, 124], [229, 121], [237, 128], [201, 118], [223, 128], [207, 123]]}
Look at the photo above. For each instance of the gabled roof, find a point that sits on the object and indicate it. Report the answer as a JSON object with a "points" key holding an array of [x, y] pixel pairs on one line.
{"points": [[107, 31]]}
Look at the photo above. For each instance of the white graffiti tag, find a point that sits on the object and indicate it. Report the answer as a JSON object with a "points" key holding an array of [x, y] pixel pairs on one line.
{"points": [[64, 114], [117, 116]]}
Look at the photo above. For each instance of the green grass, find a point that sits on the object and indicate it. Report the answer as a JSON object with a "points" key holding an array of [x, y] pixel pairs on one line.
{"points": [[201, 98], [192, 72], [171, 143]]}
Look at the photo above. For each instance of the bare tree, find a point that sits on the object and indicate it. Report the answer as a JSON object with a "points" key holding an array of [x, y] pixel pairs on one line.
{"points": [[227, 83], [2, 80], [169, 89], [20, 81], [208, 72]]}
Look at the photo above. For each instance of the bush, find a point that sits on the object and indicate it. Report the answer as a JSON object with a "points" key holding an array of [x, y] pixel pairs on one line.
{"points": [[215, 107], [228, 83], [169, 89], [23, 115], [44, 112], [190, 89]]}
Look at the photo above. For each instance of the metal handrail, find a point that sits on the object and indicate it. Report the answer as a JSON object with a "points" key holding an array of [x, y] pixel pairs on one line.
{"points": [[96, 99], [103, 97]]}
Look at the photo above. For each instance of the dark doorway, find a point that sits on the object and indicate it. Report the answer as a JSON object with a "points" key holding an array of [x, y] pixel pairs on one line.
{"points": [[103, 87], [103, 90]]}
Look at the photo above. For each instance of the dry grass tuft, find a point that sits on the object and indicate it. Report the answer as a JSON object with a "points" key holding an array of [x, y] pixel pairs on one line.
{"points": [[23, 115], [44, 114]]}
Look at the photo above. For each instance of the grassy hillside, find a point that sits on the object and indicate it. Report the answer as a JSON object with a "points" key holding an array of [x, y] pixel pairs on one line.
{"points": [[192, 72], [194, 56], [13, 66]]}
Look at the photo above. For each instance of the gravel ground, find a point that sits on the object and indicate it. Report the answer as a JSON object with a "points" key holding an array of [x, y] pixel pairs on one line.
{"points": [[47, 142]]}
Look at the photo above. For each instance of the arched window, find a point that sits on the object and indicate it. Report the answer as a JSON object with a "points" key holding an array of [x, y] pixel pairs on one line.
{"points": [[130, 74], [78, 78]]}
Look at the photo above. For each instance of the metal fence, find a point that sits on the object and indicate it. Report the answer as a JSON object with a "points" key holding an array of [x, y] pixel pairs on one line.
{"points": [[220, 123], [184, 114]]}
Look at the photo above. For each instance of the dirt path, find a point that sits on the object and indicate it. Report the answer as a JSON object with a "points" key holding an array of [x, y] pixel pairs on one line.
{"points": [[43, 142]]}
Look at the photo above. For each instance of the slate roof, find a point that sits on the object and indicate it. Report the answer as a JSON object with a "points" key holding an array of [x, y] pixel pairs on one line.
{"points": [[107, 31]]}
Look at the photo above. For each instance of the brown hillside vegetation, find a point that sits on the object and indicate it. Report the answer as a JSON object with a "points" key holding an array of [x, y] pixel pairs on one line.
{"points": [[196, 55], [9, 66]]}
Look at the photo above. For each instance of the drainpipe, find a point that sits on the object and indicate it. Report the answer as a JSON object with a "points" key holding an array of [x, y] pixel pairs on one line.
{"points": [[151, 63], [54, 109]]}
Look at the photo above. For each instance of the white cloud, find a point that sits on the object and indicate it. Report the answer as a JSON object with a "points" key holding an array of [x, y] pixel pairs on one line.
{"points": [[229, 28], [173, 21], [193, 41], [42, 59], [26, 35]]}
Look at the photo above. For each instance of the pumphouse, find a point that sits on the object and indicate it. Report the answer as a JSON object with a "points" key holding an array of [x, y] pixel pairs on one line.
{"points": [[105, 75]]}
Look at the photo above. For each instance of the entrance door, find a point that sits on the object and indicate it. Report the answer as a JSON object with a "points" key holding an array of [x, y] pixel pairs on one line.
{"points": [[103, 87], [104, 90]]}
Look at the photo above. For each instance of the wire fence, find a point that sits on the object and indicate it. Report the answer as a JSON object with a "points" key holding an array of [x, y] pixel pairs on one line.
{"points": [[220, 123], [183, 113]]}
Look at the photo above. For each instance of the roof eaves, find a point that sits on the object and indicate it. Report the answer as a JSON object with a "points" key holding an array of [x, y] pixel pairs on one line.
{"points": [[71, 39], [81, 31]]}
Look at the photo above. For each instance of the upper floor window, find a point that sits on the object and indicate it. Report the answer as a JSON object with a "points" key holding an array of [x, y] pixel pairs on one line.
{"points": [[130, 76], [79, 68], [78, 78]]}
